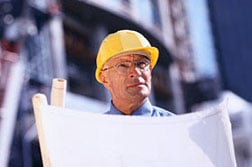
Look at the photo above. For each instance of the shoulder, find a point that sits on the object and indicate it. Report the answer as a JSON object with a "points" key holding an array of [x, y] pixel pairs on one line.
{"points": [[162, 112]]}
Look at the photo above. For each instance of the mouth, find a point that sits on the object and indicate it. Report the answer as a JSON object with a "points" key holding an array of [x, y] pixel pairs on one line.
{"points": [[136, 84]]}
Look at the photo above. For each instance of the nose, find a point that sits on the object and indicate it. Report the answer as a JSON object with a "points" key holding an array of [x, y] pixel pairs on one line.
{"points": [[134, 70]]}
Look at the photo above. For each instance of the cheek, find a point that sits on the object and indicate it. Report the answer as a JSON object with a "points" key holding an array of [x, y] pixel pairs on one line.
{"points": [[147, 76], [115, 83], [149, 83]]}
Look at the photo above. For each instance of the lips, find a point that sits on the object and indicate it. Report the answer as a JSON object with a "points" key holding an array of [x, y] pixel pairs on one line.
{"points": [[136, 84]]}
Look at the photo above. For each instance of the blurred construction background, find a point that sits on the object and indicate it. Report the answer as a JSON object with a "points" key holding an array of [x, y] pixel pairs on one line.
{"points": [[205, 57]]}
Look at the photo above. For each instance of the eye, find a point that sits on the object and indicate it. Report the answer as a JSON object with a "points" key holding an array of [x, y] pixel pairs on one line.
{"points": [[123, 65], [141, 64]]}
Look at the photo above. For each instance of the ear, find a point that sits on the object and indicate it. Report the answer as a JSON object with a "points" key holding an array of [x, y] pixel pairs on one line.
{"points": [[103, 78], [151, 68]]}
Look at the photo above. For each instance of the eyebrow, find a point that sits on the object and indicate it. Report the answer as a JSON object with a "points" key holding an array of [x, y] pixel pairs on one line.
{"points": [[136, 57], [124, 58], [144, 57]]}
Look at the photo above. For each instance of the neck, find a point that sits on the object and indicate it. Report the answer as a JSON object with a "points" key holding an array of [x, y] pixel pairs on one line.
{"points": [[128, 107]]}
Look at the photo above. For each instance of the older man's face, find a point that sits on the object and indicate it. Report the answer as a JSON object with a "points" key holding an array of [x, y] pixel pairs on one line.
{"points": [[128, 77]]}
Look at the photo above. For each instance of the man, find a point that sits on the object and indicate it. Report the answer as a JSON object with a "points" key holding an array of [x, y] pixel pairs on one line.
{"points": [[124, 65]]}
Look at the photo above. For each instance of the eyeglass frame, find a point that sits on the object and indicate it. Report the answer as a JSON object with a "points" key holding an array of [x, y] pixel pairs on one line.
{"points": [[136, 63]]}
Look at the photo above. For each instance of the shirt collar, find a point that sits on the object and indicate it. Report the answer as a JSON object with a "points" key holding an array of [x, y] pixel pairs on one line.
{"points": [[144, 110]]}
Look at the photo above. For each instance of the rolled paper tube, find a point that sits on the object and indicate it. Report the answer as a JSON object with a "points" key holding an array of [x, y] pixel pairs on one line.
{"points": [[58, 92]]}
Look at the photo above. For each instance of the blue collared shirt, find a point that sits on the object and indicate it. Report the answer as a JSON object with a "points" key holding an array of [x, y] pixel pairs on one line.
{"points": [[147, 109]]}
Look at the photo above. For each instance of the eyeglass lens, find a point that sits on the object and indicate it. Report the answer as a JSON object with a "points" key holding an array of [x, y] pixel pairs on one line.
{"points": [[124, 67]]}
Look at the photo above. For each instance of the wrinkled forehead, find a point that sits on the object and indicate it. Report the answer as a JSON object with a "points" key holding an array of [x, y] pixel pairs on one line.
{"points": [[129, 56]]}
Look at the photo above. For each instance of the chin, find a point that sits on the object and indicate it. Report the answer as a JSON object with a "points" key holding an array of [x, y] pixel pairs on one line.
{"points": [[140, 91], [143, 94]]}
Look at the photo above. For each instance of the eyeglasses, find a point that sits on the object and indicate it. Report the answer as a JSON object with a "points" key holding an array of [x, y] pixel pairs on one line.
{"points": [[124, 67]]}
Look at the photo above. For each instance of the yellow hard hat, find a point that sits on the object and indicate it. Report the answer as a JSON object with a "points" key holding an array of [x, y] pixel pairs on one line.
{"points": [[121, 42]]}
